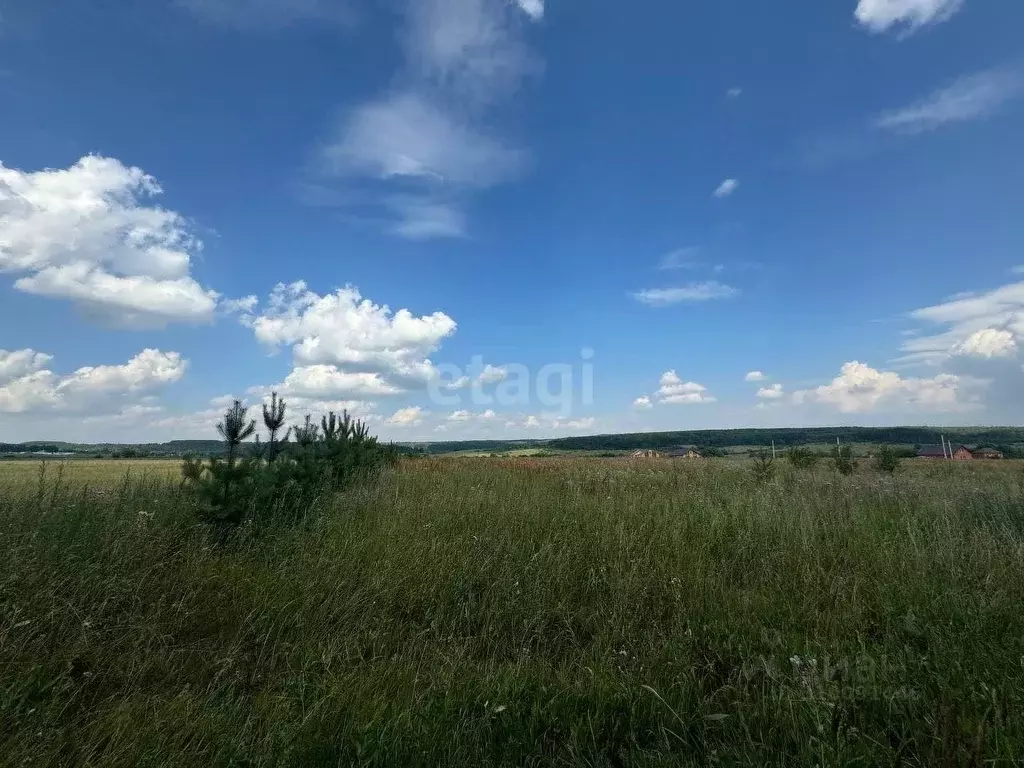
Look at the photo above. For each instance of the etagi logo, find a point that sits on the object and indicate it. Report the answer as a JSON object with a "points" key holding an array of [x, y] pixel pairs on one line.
{"points": [[556, 387]]}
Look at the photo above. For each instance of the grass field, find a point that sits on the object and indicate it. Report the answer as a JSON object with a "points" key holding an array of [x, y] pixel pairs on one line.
{"points": [[100, 473], [480, 612]]}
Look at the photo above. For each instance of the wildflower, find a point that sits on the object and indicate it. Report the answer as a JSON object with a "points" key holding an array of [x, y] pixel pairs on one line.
{"points": [[499, 709]]}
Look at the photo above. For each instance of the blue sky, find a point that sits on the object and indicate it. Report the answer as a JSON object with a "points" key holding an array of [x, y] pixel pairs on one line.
{"points": [[746, 214]]}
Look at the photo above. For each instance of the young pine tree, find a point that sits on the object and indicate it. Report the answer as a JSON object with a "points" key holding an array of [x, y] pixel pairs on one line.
{"points": [[842, 460], [887, 460], [234, 429], [273, 420]]}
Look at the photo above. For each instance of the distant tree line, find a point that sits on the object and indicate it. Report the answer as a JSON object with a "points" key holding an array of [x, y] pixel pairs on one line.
{"points": [[785, 438], [29, 448]]}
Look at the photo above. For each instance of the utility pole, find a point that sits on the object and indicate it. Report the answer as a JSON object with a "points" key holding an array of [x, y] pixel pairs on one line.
{"points": [[773, 449]]}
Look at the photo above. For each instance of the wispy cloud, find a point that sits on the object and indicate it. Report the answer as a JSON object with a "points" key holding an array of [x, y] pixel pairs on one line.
{"points": [[692, 292], [681, 258], [726, 188], [972, 97], [881, 15], [429, 142]]}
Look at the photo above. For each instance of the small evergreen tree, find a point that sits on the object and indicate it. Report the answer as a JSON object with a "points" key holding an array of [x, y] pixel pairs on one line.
{"points": [[887, 460], [842, 460], [764, 466], [234, 429], [273, 420], [802, 458]]}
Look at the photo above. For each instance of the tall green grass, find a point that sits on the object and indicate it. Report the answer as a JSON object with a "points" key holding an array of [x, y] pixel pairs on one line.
{"points": [[524, 612]]}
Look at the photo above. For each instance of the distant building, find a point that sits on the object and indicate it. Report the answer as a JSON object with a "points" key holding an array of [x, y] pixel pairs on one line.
{"points": [[683, 452], [960, 452], [644, 455], [987, 453]]}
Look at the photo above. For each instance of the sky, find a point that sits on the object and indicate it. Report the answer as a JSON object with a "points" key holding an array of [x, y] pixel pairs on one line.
{"points": [[464, 219]]}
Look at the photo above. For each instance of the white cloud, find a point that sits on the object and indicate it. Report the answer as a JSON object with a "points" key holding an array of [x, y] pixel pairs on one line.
{"points": [[726, 188], [408, 136], [532, 8], [425, 219], [859, 389], [429, 141], [773, 392], [85, 234], [969, 98], [991, 318], [681, 258], [642, 403], [675, 391], [880, 15], [734, 93], [584, 423], [341, 333], [492, 374], [21, 362], [346, 350], [704, 291], [988, 342], [26, 386], [327, 381], [754, 376], [460, 416], [406, 417]]}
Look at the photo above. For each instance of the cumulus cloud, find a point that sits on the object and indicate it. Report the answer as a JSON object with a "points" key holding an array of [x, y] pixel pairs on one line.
{"points": [[982, 324], [86, 234], [492, 374], [726, 188], [754, 376], [429, 141], [674, 390], [973, 97], [988, 343], [27, 386], [406, 417], [346, 346], [21, 362], [773, 392], [691, 292], [532, 8], [860, 389], [642, 403], [550, 423], [881, 15]]}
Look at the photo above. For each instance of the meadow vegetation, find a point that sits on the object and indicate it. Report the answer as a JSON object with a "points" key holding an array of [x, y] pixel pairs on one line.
{"points": [[521, 611]]}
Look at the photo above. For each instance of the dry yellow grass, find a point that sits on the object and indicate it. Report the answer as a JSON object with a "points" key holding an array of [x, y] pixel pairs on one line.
{"points": [[94, 472]]}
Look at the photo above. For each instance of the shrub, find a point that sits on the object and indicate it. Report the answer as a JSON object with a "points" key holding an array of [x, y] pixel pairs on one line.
{"points": [[802, 458], [279, 481], [764, 466], [887, 460], [842, 460]]}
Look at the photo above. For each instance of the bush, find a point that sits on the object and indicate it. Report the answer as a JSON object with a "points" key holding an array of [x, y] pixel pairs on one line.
{"points": [[842, 460], [764, 466], [279, 481], [887, 460], [802, 458]]}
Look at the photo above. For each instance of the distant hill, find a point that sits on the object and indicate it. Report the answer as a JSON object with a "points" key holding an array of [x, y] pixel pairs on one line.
{"points": [[1008, 439], [728, 438]]}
